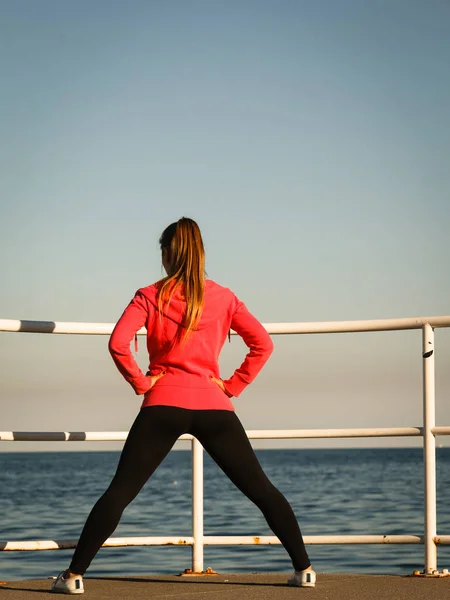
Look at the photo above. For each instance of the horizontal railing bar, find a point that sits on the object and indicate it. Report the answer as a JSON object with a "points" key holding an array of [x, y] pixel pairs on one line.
{"points": [[69, 436], [441, 430], [228, 540], [442, 540], [119, 436], [25, 546], [65, 327], [334, 433], [356, 326], [314, 539]]}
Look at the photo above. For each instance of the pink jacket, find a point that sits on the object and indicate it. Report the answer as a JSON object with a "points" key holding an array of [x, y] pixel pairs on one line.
{"points": [[188, 366]]}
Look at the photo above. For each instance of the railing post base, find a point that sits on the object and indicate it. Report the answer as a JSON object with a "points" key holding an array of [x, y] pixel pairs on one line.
{"points": [[435, 573], [191, 573]]}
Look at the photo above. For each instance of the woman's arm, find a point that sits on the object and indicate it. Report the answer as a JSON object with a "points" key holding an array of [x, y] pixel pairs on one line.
{"points": [[134, 317], [261, 346]]}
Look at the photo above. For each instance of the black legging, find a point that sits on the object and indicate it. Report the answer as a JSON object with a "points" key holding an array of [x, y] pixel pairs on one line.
{"points": [[151, 437]]}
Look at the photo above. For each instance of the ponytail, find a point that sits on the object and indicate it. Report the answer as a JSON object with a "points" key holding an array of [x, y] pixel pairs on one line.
{"points": [[184, 242]]}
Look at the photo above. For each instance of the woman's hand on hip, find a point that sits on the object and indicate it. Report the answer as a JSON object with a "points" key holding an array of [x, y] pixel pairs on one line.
{"points": [[221, 384], [154, 378]]}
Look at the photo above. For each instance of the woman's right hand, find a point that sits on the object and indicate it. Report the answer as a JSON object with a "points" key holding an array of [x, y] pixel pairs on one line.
{"points": [[154, 378], [221, 384]]}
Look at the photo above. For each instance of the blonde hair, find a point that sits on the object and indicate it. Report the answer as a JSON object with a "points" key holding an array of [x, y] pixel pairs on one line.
{"points": [[183, 241]]}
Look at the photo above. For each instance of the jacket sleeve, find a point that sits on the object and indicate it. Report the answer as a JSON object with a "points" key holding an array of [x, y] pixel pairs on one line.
{"points": [[133, 318], [257, 340]]}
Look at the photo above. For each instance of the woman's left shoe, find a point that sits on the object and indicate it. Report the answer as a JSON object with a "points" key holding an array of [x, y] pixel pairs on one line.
{"points": [[71, 585], [303, 579]]}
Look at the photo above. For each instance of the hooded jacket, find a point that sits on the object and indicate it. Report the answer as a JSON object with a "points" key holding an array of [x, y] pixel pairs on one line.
{"points": [[188, 366]]}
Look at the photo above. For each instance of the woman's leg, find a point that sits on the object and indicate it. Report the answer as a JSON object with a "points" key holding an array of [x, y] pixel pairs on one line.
{"points": [[224, 438], [151, 437]]}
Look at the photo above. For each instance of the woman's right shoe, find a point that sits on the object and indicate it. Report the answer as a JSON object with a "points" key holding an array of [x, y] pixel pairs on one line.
{"points": [[71, 585], [303, 579]]}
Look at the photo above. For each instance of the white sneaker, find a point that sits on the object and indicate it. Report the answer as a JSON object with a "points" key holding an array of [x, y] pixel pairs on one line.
{"points": [[71, 585], [303, 579]]}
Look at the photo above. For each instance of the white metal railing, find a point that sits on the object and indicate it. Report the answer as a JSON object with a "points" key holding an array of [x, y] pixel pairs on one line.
{"points": [[428, 431]]}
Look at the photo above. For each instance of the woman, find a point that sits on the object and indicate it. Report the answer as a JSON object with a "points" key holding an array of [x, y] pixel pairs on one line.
{"points": [[187, 320]]}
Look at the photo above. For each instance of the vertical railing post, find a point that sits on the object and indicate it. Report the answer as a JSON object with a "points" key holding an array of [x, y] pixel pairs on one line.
{"points": [[429, 447], [197, 506]]}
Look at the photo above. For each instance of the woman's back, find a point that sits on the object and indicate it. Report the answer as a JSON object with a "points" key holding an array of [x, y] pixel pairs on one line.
{"points": [[189, 364]]}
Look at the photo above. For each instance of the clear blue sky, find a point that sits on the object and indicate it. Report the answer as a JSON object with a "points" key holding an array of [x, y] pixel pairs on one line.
{"points": [[311, 142]]}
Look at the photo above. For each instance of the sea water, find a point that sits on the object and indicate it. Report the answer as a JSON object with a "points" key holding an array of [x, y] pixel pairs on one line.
{"points": [[48, 495]]}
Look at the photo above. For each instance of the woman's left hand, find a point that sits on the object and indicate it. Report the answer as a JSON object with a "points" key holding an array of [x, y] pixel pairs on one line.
{"points": [[221, 384], [154, 378]]}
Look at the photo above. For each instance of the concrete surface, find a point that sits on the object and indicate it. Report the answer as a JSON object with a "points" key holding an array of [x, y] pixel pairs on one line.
{"points": [[235, 587]]}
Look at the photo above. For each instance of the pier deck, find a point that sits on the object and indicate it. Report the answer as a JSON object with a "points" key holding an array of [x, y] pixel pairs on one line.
{"points": [[236, 587]]}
